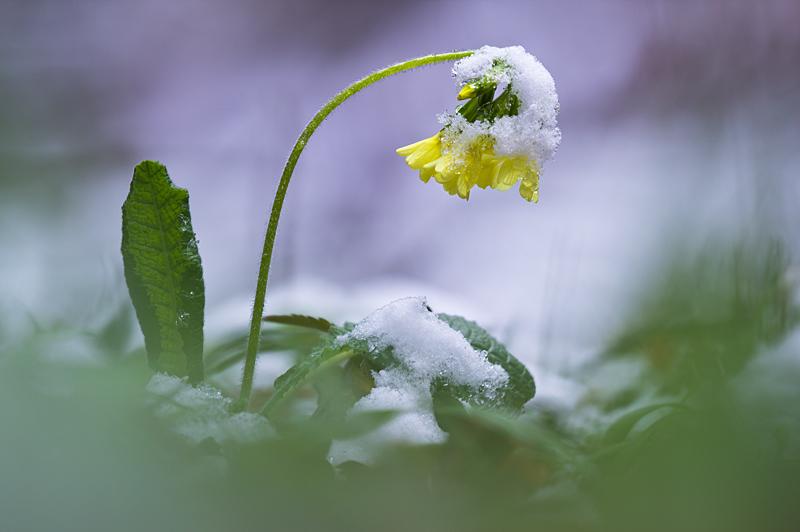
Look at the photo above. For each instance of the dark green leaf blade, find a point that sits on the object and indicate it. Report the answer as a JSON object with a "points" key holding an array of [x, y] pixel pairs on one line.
{"points": [[163, 271], [229, 350], [300, 320], [326, 354]]}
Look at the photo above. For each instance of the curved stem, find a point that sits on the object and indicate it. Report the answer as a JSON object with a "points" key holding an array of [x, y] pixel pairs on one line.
{"points": [[280, 195]]}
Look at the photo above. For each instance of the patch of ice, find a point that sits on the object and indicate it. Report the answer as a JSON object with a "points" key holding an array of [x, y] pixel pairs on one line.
{"points": [[201, 412], [534, 132], [426, 349]]}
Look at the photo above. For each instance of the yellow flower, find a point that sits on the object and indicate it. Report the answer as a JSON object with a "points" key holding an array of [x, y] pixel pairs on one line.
{"points": [[501, 134], [458, 169]]}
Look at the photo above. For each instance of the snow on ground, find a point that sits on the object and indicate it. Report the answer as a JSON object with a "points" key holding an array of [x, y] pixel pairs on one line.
{"points": [[198, 413]]}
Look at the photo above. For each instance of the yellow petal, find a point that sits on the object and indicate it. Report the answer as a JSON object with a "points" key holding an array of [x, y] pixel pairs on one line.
{"points": [[427, 171], [506, 176], [451, 186], [467, 91], [411, 148], [529, 189], [463, 186], [458, 169], [490, 166], [443, 168]]}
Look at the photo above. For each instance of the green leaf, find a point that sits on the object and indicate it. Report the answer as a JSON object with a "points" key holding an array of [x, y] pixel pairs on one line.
{"points": [[492, 429], [299, 320], [521, 387], [338, 389], [325, 355], [517, 392], [113, 335], [229, 350], [708, 311], [620, 429], [163, 271]]}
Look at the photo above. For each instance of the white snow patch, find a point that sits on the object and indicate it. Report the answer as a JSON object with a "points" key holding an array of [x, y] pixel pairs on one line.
{"points": [[414, 423], [426, 349], [164, 385], [201, 412], [534, 132]]}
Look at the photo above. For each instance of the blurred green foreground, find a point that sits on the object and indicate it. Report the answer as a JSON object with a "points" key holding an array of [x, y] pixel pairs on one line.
{"points": [[706, 437]]}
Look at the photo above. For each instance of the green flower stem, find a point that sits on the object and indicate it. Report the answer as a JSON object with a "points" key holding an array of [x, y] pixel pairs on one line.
{"points": [[280, 195]]}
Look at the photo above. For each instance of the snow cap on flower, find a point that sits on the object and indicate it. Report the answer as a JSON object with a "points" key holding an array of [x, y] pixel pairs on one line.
{"points": [[503, 133]]}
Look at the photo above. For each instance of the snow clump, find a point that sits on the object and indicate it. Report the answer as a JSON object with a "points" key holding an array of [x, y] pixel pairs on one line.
{"points": [[426, 349], [198, 413], [534, 132]]}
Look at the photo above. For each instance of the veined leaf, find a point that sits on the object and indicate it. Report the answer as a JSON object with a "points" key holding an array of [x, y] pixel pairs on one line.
{"points": [[163, 271], [521, 387]]}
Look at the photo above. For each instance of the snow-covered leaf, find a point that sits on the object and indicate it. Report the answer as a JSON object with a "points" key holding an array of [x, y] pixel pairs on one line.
{"points": [[520, 387]]}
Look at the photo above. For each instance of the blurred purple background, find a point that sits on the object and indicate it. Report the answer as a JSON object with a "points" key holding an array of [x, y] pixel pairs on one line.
{"points": [[678, 118]]}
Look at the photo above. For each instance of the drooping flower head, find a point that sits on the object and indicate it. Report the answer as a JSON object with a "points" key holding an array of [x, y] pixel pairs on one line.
{"points": [[501, 135]]}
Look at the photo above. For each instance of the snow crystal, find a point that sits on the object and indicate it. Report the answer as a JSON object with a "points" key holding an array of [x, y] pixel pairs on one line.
{"points": [[164, 385], [534, 132], [426, 349], [200, 398], [414, 423], [201, 412]]}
